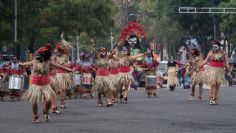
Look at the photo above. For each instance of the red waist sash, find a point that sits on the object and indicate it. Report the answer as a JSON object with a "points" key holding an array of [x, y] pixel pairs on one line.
{"points": [[87, 70], [16, 72], [217, 63], [113, 71], [40, 79], [102, 72], [124, 69], [52, 72]]}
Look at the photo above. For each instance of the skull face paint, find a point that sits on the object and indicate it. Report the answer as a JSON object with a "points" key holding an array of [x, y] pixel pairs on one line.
{"points": [[57, 53], [82, 56], [125, 50], [215, 48], [87, 57], [103, 52], [132, 41]]}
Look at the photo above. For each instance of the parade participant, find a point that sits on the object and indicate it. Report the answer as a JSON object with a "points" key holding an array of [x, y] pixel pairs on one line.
{"points": [[40, 90], [186, 77], [172, 80], [180, 72], [229, 75], [133, 42], [62, 76], [62, 52], [102, 84], [125, 71], [3, 88], [149, 65], [78, 75], [86, 67], [197, 75], [15, 73], [114, 76], [134, 36], [54, 82], [215, 74]]}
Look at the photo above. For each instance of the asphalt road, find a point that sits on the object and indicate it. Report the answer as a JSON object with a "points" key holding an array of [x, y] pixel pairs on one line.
{"points": [[170, 112]]}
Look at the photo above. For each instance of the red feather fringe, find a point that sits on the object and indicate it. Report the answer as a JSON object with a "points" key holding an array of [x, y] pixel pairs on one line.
{"points": [[135, 27]]}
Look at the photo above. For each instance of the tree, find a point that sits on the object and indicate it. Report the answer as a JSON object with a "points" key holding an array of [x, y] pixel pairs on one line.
{"points": [[161, 23], [199, 26], [227, 23], [6, 22], [40, 21]]}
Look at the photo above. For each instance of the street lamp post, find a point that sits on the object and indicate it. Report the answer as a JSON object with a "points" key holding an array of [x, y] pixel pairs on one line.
{"points": [[77, 45], [15, 27], [112, 41]]}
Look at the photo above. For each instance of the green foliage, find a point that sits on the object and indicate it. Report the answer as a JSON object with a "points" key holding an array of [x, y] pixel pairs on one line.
{"points": [[5, 20], [160, 20], [40, 21], [228, 25]]}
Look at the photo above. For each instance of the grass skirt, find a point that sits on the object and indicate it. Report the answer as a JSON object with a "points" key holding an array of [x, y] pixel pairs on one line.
{"points": [[172, 77], [217, 74], [126, 78], [39, 94], [102, 84], [54, 82], [198, 77], [115, 81], [65, 79]]}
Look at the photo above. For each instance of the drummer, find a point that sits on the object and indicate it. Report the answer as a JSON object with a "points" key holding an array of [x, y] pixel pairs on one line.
{"points": [[77, 75], [149, 68], [86, 68], [15, 71], [3, 89]]}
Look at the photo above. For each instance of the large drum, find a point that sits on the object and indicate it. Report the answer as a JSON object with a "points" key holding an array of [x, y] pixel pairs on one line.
{"points": [[87, 79], [16, 82], [77, 79], [151, 80]]}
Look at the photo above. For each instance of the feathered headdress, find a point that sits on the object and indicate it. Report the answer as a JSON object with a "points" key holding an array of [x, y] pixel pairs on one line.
{"points": [[67, 47], [59, 48], [49, 46], [215, 41], [132, 27], [42, 50], [102, 49]]}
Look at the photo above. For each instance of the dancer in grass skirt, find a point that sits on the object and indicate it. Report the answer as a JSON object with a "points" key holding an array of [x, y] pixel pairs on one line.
{"points": [[40, 90], [215, 74]]}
